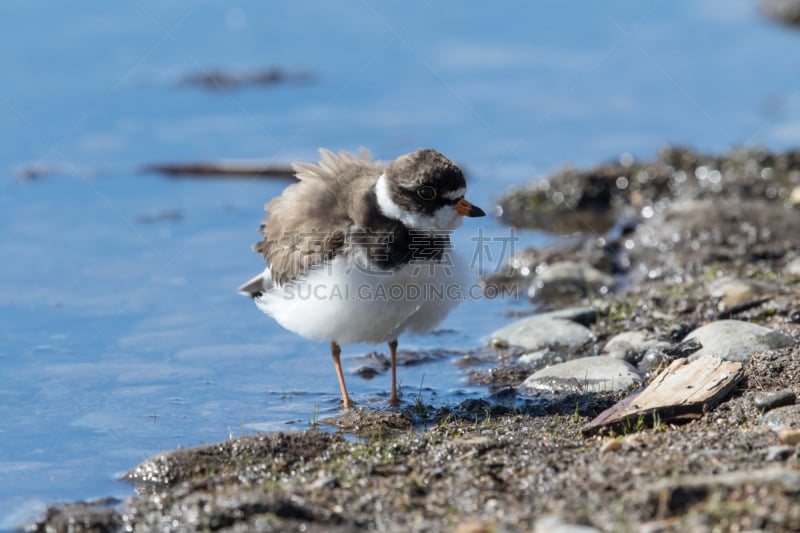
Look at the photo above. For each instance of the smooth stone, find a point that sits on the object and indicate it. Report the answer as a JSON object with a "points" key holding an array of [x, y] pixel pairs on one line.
{"points": [[787, 417], [567, 280], [542, 331], [539, 358], [794, 196], [737, 291], [790, 437], [766, 401], [593, 374], [736, 340], [793, 267], [630, 345], [779, 453]]}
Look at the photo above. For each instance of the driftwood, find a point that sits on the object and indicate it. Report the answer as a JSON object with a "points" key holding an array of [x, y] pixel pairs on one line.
{"points": [[222, 80], [222, 168], [682, 392]]}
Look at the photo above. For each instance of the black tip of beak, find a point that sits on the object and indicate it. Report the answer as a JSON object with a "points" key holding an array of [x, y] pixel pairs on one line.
{"points": [[476, 211]]}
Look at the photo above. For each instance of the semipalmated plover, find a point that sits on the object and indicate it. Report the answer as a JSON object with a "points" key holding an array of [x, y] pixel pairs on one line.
{"points": [[359, 251]]}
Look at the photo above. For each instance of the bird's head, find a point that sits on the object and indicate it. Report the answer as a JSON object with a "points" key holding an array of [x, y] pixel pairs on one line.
{"points": [[425, 191]]}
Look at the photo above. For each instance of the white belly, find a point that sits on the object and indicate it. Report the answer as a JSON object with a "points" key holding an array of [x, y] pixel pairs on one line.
{"points": [[339, 301]]}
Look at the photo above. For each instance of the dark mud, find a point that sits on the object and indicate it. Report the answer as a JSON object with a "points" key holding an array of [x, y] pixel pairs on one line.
{"points": [[505, 462]]}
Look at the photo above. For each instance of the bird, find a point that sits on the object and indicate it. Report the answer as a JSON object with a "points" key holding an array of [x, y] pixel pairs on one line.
{"points": [[358, 250]]}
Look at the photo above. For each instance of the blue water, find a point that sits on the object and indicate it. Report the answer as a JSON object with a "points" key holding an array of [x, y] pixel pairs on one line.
{"points": [[120, 338]]}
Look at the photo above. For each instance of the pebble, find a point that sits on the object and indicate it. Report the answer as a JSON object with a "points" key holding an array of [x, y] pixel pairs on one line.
{"points": [[766, 401], [568, 280], [330, 482], [793, 267], [630, 345], [555, 524], [586, 374], [539, 359], [789, 436], [543, 331], [634, 440], [475, 527], [737, 291], [611, 445], [366, 372], [736, 340], [779, 453], [780, 418]]}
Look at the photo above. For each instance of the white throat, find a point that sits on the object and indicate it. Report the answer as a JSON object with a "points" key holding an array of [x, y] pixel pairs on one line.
{"points": [[445, 218]]}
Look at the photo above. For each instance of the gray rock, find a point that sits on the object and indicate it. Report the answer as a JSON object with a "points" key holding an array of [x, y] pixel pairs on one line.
{"points": [[569, 281], [585, 374], [539, 359], [793, 267], [779, 453], [735, 340], [631, 345], [786, 417], [766, 401], [662, 353], [543, 331]]}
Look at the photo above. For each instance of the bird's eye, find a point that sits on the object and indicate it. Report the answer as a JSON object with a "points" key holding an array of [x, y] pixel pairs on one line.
{"points": [[426, 192]]}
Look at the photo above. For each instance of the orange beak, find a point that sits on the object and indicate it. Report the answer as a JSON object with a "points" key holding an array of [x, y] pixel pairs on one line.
{"points": [[464, 208]]}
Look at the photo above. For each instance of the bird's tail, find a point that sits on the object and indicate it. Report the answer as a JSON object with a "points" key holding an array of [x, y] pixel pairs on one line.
{"points": [[256, 286]]}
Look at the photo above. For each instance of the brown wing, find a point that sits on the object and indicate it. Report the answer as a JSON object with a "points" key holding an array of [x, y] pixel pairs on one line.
{"points": [[309, 222]]}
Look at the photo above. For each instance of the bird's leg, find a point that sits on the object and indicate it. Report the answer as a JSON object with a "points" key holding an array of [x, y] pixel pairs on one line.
{"points": [[336, 352], [393, 400]]}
